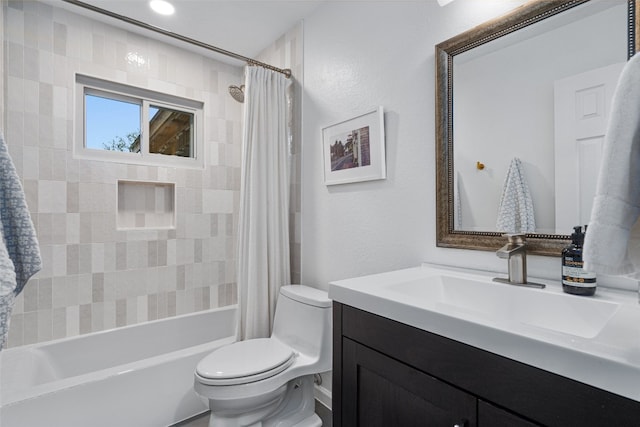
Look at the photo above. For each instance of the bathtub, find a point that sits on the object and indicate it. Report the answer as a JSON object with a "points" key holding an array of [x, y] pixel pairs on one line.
{"points": [[139, 375]]}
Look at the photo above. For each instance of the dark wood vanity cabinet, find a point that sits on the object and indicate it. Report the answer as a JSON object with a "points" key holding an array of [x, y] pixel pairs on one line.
{"points": [[389, 374], [391, 393]]}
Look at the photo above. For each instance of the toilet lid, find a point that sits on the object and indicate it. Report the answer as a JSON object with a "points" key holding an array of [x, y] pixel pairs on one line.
{"points": [[245, 361]]}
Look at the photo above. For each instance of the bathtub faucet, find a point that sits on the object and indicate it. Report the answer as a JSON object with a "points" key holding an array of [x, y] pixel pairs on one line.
{"points": [[515, 252]]}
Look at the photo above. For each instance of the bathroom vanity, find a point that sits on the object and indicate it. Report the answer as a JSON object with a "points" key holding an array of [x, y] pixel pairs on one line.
{"points": [[439, 347]]}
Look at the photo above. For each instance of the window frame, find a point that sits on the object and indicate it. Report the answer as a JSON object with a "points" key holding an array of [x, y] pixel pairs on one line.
{"points": [[86, 85]]}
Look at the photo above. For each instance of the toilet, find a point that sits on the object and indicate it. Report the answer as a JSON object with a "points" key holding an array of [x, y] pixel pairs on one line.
{"points": [[268, 382]]}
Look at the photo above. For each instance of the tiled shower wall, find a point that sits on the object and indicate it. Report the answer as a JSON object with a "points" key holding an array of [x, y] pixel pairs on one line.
{"points": [[95, 276], [286, 52]]}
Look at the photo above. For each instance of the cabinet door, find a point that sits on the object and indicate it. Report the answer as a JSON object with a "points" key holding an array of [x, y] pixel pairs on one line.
{"points": [[490, 416], [380, 391]]}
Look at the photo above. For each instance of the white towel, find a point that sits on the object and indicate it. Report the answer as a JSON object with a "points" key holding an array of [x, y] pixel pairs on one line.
{"points": [[610, 245], [515, 213], [19, 250]]}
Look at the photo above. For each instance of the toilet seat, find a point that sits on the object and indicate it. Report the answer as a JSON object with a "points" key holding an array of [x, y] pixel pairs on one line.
{"points": [[244, 362]]}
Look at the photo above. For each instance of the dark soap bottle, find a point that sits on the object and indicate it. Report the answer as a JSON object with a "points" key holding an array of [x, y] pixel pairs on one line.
{"points": [[575, 280]]}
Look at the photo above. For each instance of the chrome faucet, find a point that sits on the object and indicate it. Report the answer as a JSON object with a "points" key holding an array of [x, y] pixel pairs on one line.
{"points": [[515, 252]]}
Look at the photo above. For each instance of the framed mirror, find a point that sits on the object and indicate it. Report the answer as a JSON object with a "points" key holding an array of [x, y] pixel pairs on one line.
{"points": [[501, 95]]}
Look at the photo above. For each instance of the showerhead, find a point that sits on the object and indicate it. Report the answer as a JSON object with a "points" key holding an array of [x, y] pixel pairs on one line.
{"points": [[237, 92]]}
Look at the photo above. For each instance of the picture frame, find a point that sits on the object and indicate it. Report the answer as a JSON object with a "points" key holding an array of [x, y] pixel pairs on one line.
{"points": [[354, 150]]}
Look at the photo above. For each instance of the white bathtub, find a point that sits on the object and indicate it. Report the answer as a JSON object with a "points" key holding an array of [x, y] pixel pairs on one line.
{"points": [[139, 375]]}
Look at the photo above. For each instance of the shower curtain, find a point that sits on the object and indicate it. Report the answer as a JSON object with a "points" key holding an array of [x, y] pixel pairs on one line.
{"points": [[263, 229]]}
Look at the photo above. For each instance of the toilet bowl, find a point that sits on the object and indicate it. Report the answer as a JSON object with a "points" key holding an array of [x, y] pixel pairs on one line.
{"points": [[268, 382]]}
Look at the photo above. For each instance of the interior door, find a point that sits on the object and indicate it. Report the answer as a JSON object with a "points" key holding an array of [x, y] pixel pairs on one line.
{"points": [[582, 106]]}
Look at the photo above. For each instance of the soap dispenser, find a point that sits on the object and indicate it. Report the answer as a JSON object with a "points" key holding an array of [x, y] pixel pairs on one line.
{"points": [[575, 279]]}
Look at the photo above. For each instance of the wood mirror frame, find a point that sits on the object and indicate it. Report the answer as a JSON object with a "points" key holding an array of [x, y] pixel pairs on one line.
{"points": [[529, 13]]}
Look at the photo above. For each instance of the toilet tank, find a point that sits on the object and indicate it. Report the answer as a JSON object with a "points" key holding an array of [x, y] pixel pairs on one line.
{"points": [[303, 321]]}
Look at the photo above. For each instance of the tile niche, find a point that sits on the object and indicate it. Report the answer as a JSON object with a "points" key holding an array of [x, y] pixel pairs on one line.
{"points": [[146, 205]]}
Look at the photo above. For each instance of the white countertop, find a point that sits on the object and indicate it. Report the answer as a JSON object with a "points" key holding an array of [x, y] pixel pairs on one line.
{"points": [[608, 359]]}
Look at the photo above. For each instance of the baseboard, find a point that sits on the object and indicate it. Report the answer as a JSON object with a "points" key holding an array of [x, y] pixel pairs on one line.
{"points": [[323, 396]]}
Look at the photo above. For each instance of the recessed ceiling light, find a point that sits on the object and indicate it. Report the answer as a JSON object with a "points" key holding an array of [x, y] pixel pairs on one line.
{"points": [[162, 7]]}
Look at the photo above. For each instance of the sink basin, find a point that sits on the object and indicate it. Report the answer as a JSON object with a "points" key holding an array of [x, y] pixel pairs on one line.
{"points": [[481, 300]]}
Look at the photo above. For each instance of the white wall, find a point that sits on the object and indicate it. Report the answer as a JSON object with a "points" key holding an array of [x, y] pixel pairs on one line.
{"points": [[359, 55]]}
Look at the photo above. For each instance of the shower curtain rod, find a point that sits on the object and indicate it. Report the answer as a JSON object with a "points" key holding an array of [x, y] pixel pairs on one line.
{"points": [[249, 61]]}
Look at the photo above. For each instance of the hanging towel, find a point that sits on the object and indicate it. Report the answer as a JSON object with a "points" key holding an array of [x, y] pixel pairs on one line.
{"points": [[19, 251], [515, 213], [7, 292], [611, 244]]}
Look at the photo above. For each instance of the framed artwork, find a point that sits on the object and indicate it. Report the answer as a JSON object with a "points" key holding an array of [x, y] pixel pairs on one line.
{"points": [[354, 150]]}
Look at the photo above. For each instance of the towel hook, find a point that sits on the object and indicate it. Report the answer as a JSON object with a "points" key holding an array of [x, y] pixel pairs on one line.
{"points": [[479, 166]]}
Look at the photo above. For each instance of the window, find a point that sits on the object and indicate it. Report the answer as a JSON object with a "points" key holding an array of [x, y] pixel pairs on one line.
{"points": [[111, 123], [170, 131], [132, 125]]}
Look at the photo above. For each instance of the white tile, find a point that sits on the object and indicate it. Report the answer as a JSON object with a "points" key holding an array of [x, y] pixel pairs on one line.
{"points": [[104, 202], [14, 54], [59, 164], [60, 132], [73, 228], [15, 94], [59, 292], [162, 284], [52, 196], [30, 162], [217, 201], [59, 262], [45, 324], [142, 308], [122, 287], [109, 315], [213, 296], [85, 289], [181, 305], [132, 311], [171, 252], [45, 60], [97, 316], [72, 294], [59, 323], [97, 257], [60, 74], [30, 327], [15, 25], [109, 256], [153, 275], [213, 153], [197, 276], [86, 196], [73, 320], [45, 32], [60, 97]]}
